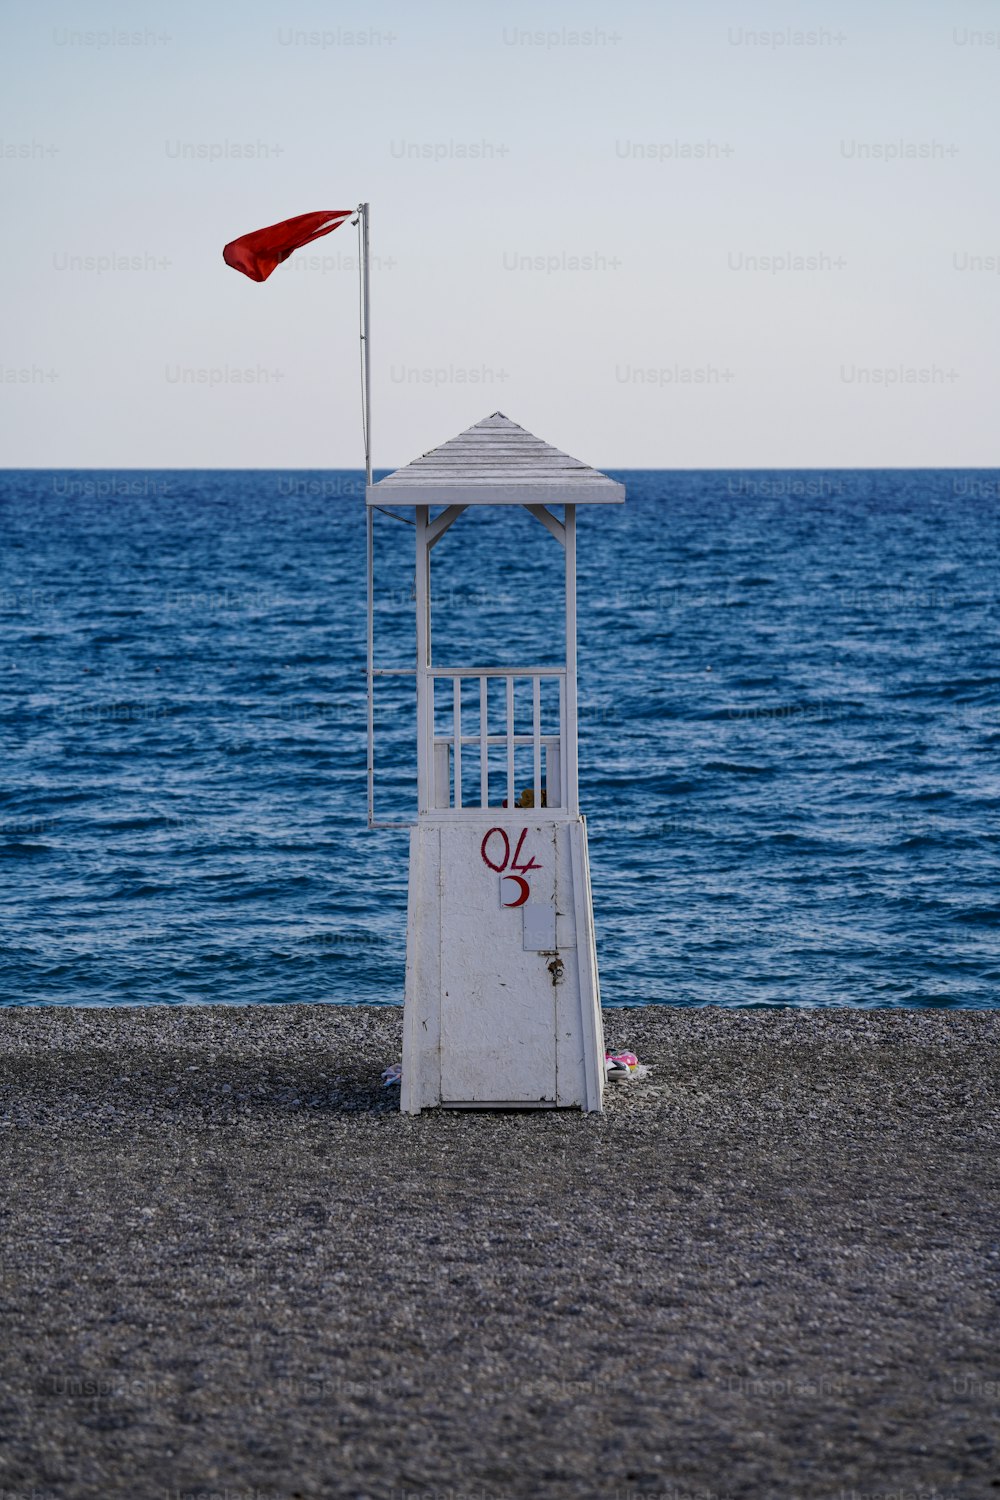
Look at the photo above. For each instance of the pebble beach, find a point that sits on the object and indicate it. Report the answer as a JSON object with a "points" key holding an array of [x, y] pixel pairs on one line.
{"points": [[231, 1268]]}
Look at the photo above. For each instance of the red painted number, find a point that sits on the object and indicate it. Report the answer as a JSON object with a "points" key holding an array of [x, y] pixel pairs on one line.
{"points": [[516, 863], [532, 862], [506, 850]]}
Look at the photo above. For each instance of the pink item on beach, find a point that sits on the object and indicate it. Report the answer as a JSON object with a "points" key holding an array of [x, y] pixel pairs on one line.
{"points": [[619, 1066]]}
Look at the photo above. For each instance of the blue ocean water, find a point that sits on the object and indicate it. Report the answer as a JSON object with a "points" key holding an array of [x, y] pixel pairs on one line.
{"points": [[790, 733]]}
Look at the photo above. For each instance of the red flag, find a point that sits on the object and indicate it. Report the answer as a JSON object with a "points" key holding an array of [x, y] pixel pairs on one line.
{"points": [[257, 254]]}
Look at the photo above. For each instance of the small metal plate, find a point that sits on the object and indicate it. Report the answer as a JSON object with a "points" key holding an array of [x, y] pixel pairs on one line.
{"points": [[539, 926]]}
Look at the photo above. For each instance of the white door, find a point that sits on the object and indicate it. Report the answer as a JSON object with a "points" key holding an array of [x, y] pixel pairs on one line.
{"points": [[498, 994]]}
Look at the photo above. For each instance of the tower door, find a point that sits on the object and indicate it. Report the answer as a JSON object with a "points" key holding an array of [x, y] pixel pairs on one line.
{"points": [[498, 987]]}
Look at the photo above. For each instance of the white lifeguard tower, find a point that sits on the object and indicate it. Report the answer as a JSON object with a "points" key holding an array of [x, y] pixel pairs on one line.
{"points": [[502, 999]]}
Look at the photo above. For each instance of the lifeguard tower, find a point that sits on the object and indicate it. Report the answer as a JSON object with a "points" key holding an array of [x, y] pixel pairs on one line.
{"points": [[502, 999]]}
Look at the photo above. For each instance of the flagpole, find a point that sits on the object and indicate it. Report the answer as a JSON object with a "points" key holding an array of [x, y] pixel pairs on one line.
{"points": [[364, 210]]}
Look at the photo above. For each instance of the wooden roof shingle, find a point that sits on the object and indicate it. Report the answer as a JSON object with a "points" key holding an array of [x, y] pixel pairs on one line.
{"points": [[496, 462]]}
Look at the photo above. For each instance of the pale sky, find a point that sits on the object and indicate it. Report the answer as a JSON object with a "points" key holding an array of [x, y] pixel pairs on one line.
{"points": [[658, 235]]}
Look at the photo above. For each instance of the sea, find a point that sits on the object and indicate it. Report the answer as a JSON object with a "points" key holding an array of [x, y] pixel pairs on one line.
{"points": [[789, 732]]}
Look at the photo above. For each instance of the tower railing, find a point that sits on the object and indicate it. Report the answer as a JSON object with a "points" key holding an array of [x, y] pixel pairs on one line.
{"points": [[518, 749]]}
